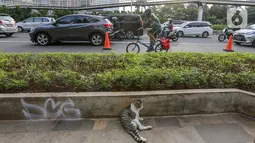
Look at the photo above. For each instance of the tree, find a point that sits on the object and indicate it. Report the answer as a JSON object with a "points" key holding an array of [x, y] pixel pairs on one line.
{"points": [[220, 12], [60, 13]]}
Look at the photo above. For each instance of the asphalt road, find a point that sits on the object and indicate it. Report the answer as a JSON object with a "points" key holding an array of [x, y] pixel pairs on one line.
{"points": [[20, 42]]}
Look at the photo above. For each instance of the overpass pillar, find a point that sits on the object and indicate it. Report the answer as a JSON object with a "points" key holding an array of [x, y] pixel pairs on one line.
{"points": [[200, 11]]}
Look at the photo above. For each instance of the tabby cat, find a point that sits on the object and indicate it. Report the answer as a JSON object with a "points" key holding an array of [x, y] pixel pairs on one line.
{"points": [[130, 120]]}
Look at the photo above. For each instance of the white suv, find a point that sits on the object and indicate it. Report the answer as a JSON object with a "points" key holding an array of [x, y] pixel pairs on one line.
{"points": [[198, 28], [32, 22]]}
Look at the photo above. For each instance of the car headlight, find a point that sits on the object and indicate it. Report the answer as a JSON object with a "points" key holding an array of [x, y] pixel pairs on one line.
{"points": [[250, 33]]}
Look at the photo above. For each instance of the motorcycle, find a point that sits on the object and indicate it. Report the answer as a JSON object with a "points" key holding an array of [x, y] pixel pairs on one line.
{"points": [[166, 33], [119, 34], [225, 35]]}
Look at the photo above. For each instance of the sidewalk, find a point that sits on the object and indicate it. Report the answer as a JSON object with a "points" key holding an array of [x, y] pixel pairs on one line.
{"points": [[223, 128]]}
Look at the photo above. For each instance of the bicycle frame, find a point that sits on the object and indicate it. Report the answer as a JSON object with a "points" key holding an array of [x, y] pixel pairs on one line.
{"points": [[138, 41]]}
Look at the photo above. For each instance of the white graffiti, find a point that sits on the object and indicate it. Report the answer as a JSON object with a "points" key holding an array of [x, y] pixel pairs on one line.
{"points": [[51, 110]]}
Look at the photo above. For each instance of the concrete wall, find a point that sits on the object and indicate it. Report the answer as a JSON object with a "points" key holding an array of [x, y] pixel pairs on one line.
{"points": [[110, 104]]}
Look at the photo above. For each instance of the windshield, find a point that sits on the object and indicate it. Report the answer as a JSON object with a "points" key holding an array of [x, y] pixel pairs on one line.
{"points": [[6, 18], [183, 24], [250, 27]]}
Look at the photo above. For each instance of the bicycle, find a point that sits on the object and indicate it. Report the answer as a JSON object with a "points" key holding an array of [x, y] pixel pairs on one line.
{"points": [[134, 46]]}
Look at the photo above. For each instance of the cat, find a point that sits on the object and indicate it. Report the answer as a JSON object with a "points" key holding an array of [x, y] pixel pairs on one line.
{"points": [[130, 120]]}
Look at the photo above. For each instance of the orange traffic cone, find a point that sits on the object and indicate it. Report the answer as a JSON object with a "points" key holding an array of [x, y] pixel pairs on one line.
{"points": [[107, 42], [229, 45]]}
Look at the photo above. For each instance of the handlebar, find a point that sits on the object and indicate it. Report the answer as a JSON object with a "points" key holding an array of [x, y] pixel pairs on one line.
{"points": [[139, 30]]}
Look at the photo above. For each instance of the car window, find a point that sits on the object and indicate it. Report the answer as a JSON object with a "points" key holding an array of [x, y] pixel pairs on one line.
{"points": [[6, 18], [46, 20], [205, 25], [192, 25], [250, 27], [37, 19], [82, 19], [29, 20], [92, 20], [66, 20]]}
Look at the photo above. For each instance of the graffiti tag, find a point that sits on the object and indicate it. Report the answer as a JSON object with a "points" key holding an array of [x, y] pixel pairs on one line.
{"points": [[51, 110]]}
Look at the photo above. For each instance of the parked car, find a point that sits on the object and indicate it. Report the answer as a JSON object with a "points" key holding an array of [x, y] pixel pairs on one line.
{"points": [[130, 23], [176, 23], [76, 27], [32, 22], [198, 28], [7, 25], [245, 36]]}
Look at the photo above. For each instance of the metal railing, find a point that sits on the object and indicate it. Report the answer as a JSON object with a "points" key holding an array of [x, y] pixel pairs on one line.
{"points": [[94, 3]]}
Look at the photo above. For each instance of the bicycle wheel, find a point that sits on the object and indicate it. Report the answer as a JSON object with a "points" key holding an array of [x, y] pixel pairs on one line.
{"points": [[160, 49], [133, 48]]}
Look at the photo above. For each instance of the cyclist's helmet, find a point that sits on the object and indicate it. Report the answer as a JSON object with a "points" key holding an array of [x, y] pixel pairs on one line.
{"points": [[114, 19], [147, 12], [170, 20]]}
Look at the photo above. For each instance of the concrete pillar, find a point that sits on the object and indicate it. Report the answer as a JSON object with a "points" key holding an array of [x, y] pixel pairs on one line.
{"points": [[124, 8], [200, 11], [138, 8]]}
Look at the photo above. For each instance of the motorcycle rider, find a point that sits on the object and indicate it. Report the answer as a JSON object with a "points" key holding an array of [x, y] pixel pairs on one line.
{"points": [[170, 27], [116, 24], [151, 21]]}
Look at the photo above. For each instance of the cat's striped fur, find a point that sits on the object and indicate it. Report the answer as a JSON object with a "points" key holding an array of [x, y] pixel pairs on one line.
{"points": [[130, 121]]}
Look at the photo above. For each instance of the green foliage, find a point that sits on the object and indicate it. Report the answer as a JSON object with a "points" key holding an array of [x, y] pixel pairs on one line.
{"points": [[219, 26], [251, 14], [57, 72], [60, 13], [216, 14], [20, 14]]}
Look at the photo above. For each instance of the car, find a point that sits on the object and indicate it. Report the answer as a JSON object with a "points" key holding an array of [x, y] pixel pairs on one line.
{"points": [[32, 22], [197, 28], [74, 27], [176, 23], [245, 36], [129, 22], [7, 25]]}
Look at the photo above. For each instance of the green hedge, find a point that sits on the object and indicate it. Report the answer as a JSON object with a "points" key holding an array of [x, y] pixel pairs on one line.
{"points": [[219, 26], [59, 72]]}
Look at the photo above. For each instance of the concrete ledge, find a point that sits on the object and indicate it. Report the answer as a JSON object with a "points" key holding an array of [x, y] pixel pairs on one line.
{"points": [[109, 104]]}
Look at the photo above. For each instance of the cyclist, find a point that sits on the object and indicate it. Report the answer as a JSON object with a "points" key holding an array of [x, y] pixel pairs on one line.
{"points": [[151, 21], [116, 24]]}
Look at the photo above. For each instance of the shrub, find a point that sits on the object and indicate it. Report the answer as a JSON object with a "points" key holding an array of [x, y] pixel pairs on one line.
{"points": [[219, 26], [58, 72]]}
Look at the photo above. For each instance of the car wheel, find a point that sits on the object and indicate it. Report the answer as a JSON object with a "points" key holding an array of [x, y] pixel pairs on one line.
{"points": [[43, 39], [8, 34], [20, 29], [180, 34], [130, 35], [253, 44], [238, 43], [97, 39], [205, 34]]}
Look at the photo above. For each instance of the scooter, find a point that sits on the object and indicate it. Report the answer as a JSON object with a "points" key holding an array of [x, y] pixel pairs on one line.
{"points": [[119, 34], [226, 34], [166, 33]]}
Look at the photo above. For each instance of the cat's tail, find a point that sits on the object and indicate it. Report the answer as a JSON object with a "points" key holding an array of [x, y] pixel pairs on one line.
{"points": [[136, 136]]}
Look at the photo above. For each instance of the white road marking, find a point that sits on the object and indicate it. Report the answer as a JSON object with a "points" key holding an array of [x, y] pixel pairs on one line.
{"points": [[14, 41]]}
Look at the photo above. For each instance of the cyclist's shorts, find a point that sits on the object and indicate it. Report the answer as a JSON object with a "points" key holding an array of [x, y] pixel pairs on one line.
{"points": [[154, 31]]}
